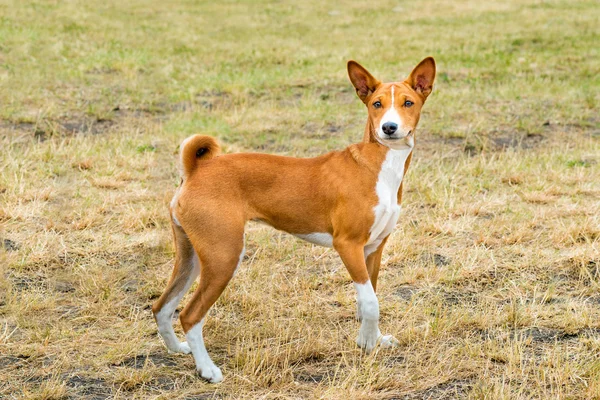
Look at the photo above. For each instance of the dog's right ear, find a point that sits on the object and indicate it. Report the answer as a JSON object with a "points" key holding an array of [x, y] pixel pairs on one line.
{"points": [[364, 83]]}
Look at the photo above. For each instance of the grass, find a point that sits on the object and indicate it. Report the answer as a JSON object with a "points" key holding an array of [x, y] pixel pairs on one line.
{"points": [[490, 280]]}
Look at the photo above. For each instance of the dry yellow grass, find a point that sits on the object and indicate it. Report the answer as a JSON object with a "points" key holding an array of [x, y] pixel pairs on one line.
{"points": [[490, 281]]}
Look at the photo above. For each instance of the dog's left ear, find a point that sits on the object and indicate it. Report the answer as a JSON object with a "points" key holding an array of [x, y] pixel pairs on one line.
{"points": [[421, 78]]}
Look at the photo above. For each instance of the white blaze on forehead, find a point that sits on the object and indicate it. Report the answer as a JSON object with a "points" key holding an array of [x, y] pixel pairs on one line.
{"points": [[391, 115]]}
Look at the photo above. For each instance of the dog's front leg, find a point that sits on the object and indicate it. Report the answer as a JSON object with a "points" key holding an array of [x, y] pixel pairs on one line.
{"points": [[373, 260], [352, 254], [369, 310]]}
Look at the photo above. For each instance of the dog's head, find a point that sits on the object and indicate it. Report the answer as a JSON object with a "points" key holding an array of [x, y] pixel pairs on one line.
{"points": [[394, 108]]}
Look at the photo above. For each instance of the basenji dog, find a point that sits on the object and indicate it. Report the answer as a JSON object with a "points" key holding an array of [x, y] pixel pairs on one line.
{"points": [[348, 200]]}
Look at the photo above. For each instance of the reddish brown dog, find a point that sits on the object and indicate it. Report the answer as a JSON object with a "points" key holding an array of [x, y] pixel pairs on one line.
{"points": [[347, 199]]}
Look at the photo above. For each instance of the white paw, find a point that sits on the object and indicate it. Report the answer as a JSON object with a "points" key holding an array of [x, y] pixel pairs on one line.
{"points": [[367, 340], [388, 342], [184, 348], [211, 373]]}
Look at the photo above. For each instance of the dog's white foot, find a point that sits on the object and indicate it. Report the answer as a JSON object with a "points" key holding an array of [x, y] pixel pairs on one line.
{"points": [[367, 338], [205, 367], [211, 373], [181, 347], [388, 342], [184, 348]]}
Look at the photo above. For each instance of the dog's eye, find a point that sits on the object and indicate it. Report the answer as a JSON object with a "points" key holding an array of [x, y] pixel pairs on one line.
{"points": [[377, 104], [408, 103]]}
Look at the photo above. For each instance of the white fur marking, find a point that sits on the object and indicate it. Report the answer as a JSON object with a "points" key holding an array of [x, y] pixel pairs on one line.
{"points": [[391, 115], [173, 206], [240, 260], [164, 318], [368, 310], [387, 210], [204, 365], [321, 239], [369, 334], [181, 147]]}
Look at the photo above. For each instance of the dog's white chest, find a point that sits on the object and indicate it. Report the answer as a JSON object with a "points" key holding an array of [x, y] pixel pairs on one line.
{"points": [[387, 209]]}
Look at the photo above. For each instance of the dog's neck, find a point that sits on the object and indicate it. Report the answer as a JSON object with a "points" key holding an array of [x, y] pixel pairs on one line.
{"points": [[369, 136]]}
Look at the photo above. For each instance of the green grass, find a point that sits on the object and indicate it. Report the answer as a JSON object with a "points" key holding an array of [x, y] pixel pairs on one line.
{"points": [[490, 280]]}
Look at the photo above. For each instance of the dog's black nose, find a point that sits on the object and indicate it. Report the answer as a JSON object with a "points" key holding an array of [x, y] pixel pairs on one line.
{"points": [[389, 128]]}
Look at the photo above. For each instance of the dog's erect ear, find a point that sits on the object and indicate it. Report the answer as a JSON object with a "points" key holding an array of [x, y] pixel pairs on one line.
{"points": [[421, 78], [363, 81]]}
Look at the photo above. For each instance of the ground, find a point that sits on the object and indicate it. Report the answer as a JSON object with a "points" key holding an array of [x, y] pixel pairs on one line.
{"points": [[490, 281]]}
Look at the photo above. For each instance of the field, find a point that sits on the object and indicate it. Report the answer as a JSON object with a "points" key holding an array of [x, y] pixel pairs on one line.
{"points": [[490, 281]]}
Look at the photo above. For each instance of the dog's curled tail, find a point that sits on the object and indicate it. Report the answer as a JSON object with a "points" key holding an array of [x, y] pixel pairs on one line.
{"points": [[194, 149]]}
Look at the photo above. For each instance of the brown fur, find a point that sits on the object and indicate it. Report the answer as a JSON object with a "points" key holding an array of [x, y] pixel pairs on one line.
{"points": [[197, 148], [333, 193]]}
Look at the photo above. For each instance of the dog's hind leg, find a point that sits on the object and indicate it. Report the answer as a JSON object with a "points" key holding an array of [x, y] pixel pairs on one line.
{"points": [[219, 260], [185, 271]]}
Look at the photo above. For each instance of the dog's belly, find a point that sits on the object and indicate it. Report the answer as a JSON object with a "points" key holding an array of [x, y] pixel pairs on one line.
{"points": [[319, 238], [385, 220]]}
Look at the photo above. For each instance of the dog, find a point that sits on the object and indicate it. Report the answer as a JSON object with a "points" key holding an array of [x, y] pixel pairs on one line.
{"points": [[348, 200]]}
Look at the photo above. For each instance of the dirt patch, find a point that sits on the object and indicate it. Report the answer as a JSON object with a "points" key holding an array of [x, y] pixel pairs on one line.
{"points": [[163, 383], [63, 287], [44, 129], [86, 126], [12, 361], [544, 335], [502, 139], [206, 100], [90, 388], [314, 130], [495, 141], [102, 71], [203, 396], [458, 297], [311, 378], [436, 259], [68, 311], [538, 335], [313, 370], [511, 140], [139, 361], [392, 361], [453, 389], [10, 245], [406, 292], [22, 282], [444, 295], [24, 126], [339, 93]]}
